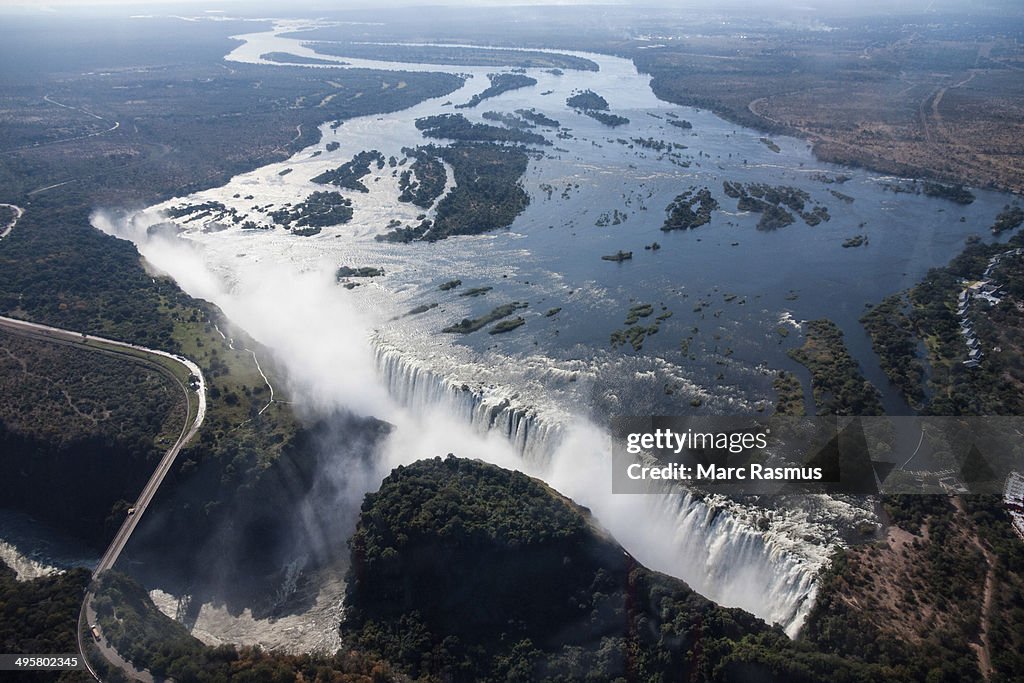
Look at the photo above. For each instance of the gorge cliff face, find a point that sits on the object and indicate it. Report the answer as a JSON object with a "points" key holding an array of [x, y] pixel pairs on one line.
{"points": [[465, 571]]}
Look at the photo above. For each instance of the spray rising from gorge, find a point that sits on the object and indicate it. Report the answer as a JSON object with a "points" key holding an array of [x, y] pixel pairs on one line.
{"points": [[535, 400]]}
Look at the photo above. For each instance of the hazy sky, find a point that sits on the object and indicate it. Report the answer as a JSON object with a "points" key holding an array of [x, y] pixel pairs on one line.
{"points": [[751, 7], [890, 5]]}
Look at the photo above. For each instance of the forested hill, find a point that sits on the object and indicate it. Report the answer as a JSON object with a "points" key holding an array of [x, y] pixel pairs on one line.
{"points": [[464, 571]]}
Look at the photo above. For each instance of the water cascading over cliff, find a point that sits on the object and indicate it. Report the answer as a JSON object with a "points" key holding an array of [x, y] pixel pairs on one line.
{"points": [[728, 560], [418, 388], [708, 542]]}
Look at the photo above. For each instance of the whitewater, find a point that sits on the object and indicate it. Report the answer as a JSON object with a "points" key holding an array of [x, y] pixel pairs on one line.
{"points": [[537, 400]]}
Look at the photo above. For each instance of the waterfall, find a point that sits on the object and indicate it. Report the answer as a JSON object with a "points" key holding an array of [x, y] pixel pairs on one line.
{"points": [[728, 560], [712, 543], [418, 388]]}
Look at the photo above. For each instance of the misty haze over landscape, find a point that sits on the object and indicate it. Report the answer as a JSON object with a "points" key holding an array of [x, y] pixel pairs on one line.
{"points": [[322, 331]]}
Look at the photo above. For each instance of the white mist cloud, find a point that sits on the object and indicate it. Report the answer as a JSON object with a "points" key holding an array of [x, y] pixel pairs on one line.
{"points": [[323, 343], [319, 338]]}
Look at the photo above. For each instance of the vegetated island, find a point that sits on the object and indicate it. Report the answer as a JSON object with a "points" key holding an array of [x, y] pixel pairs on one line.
{"points": [[344, 274], [596, 107], [423, 182], [508, 120], [467, 325], [212, 209], [618, 256], [362, 271], [611, 120], [457, 56], [616, 217], [681, 214], [769, 200], [954, 193], [957, 194], [500, 83], [423, 308], [1010, 218], [634, 334], [348, 175], [894, 339], [487, 195], [829, 179], [318, 210], [789, 394], [507, 325], [587, 99], [458, 127], [655, 144], [837, 383], [289, 58], [537, 118]]}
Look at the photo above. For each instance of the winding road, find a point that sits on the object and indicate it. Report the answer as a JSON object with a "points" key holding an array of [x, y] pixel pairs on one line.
{"points": [[36, 145], [5, 229], [195, 396]]}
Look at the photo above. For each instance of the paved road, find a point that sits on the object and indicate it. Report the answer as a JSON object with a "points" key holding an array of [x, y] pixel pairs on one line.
{"points": [[88, 617], [36, 145], [192, 397], [5, 230]]}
